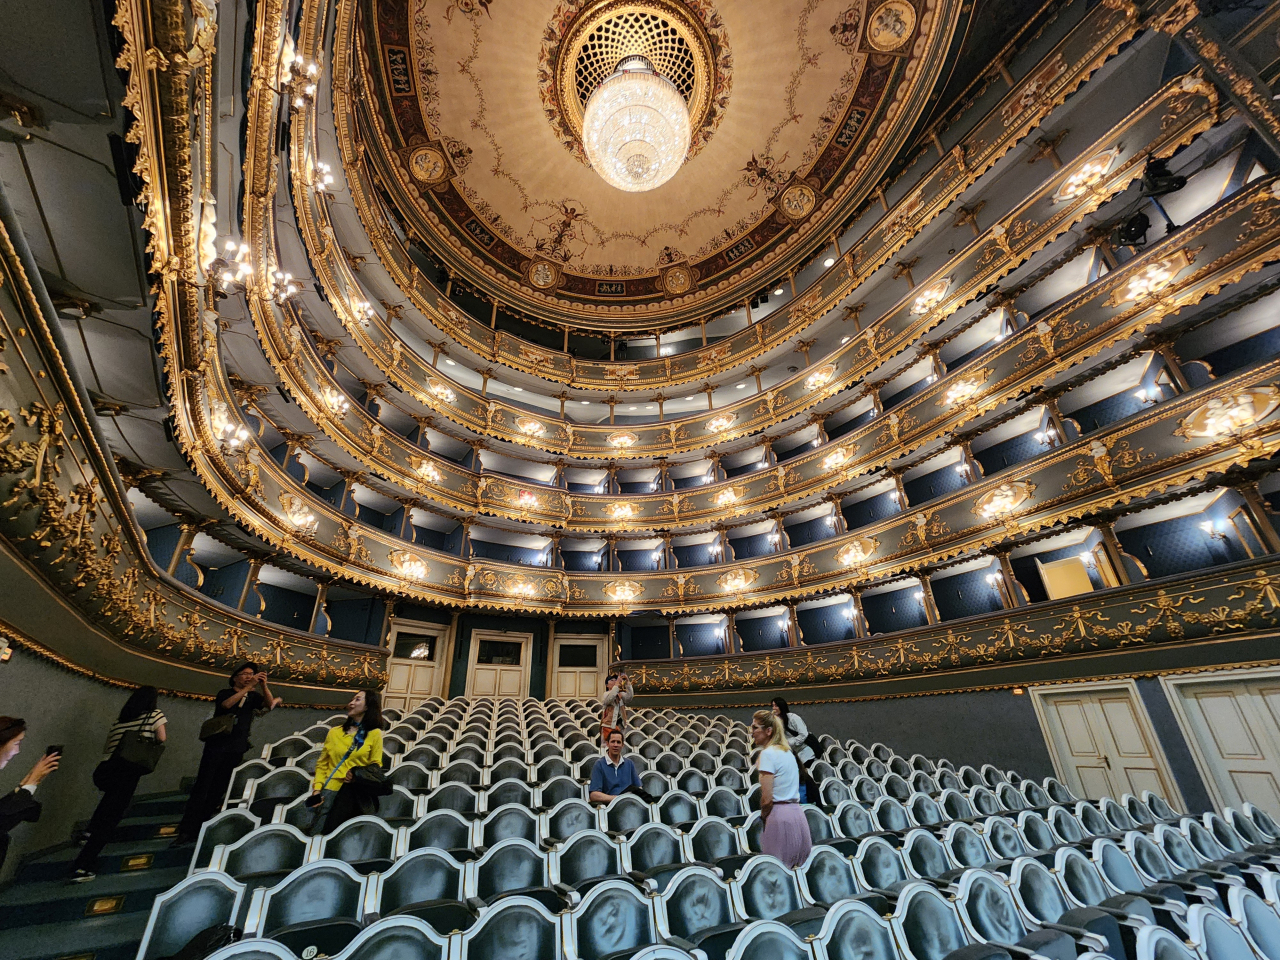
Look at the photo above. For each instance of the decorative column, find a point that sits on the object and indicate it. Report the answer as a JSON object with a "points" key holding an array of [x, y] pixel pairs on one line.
{"points": [[1173, 364], [465, 546], [717, 471], [551, 649], [731, 642], [726, 551], [612, 553], [186, 533], [664, 476], [1256, 507], [559, 480], [250, 581], [612, 483], [668, 552], [793, 626], [318, 611], [841, 525], [557, 559], [821, 424], [930, 607], [1056, 421], [388, 611], [902, 491], [975, 468], [874, 393], [860, 628], [770, 458], [1115, 553], [671, 637], [1017, 595], [784, 541]]}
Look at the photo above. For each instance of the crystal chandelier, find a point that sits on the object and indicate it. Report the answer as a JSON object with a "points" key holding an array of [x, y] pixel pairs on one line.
{"points": [[636, 127]]}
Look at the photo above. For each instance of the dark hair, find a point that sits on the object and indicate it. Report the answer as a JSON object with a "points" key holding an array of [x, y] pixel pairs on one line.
{"points": [[782, 707], [612, 676], [372, 719], [615, 730], [141, 703], [248, 664], [10, 727]]}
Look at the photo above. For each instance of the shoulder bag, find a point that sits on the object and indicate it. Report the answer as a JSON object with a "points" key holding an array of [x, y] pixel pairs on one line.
{"points": [[139, 751], [218, 726]]}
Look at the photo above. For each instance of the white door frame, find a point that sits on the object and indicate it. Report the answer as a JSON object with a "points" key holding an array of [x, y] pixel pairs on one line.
{"points": [[443, 633], [1171, 684], [526, 655], [601, 642], [1040, 693]]}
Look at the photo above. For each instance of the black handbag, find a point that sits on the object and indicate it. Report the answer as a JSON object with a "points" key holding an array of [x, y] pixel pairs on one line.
{"points": [[218, 726], [371, 780], [139, 751]]}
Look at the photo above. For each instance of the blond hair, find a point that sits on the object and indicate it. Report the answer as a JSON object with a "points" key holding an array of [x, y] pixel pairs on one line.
{"points": [[778, 738]]}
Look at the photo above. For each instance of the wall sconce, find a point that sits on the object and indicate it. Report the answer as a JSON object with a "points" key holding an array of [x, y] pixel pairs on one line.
{"points": [[918, 595], [964, 470], [1148, 396], [1088, 559], [301, 78], [233, 267], [335, 401], [850, 613], [895, 496], [656, 555], [993, 579], [831, 521], [1211, 529], [322, 178], [362, 310], [1048, 435]]}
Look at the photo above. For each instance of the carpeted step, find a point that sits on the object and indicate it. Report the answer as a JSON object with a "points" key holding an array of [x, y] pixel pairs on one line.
{"points": [[114, 937], [158, 805], [134, 855], [58, 901]]}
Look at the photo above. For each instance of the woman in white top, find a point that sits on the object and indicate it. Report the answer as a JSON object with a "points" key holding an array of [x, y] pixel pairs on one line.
{"points": [[117, 779], [786, 831]]}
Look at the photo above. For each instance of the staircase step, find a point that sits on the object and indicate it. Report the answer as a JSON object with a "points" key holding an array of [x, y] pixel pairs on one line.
{"points": [[134, 828], [59, 901], [159, 805], [114, 937], [116, 858]]}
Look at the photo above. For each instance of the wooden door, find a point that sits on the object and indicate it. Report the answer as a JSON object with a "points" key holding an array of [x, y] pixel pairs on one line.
{"points": [[578, 668], [415, 669], [1233, 729], [1102, 742], [499, 664]]}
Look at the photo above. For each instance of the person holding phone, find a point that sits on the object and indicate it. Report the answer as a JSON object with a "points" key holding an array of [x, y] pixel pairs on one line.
{"points": [[357, 742], [21, 805], [246, 698], [613, 714], [116, 777]]}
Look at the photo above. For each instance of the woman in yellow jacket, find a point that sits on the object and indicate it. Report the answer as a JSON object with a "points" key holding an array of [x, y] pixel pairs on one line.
{"points": [[357, 743]]}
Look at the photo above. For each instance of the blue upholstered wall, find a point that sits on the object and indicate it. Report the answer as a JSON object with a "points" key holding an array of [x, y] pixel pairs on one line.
{"points": [[225, 583], [694, 555], [582, 487], [649, 642], [581, 559], [964, 358], [699, 639], [903, 395], [933, 485], [1113, 408], [743, 468], [506, 553], [333, 494], [810, 531], [870, 510], [898, 610], [790, 449], [1177, 546], [437, 539], [1009, 452], [358, 620], [840, 429], [638, 559], [161, 541], [636, 486], [965, 595], [416, 611], [825, 624], [761, 633], [1243, 353], [683, 483], [753, 546], [286, 607]]}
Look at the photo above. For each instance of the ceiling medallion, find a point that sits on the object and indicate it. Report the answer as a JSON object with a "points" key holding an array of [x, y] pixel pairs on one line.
{"points": [[736, 581], [797, 201], [440, 390], [543, 274], [684, 42], [1086, 176], [836, 459], [678, 279], [429, 165], [892, 27], [963, 390], [530, 427], [857, 552], [820, 377]]}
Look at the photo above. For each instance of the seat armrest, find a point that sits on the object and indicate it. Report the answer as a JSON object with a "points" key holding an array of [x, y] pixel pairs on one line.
{"points": [[476, 905], [571, 896], [1094, 941]]}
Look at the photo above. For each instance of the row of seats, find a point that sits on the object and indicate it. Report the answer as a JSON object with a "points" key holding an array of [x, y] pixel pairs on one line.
{"points": [[1050, 903]]}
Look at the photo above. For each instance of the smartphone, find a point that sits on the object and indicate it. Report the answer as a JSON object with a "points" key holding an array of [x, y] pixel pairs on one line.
{"points": [[53, 751], [314, 801]]}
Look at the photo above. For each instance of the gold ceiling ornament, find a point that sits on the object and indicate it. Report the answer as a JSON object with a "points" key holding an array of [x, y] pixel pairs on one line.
{"points": [[891, 27], [409, 565], [441, 390], [820, 377], [619, 511], [425, 469], [623, 592], [586, 40], [527, 501], [1150, 279], [1227, 416], [622, 440], [836, 459], [530, 427], [543, 274], [298, 516], [335, 401], [678, 279], [721, 422], [728, 496], [1004, 499], [429, 164], [1086, 176], [225, 428], [857, 553], [737, 581], [931, 296], [965, 389]]}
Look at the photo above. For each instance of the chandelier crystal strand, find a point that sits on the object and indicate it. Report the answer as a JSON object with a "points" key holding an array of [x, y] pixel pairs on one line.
{"points": [[636, 128]]}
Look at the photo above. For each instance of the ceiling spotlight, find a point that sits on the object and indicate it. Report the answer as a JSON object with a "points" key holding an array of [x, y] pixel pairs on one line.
{"points": [[585, 403], [518, 389], [1133, 232], [635, 128], [829, 262], [778, 292], [630, 408], [1157, 180], [742, 386], [450, 362]]}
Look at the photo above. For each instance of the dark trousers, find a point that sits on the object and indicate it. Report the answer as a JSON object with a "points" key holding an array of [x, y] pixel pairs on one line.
{"points": [[216, 766], [117, 783], [337, 808]]}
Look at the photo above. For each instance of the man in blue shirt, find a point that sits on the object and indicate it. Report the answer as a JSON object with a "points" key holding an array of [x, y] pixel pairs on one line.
{"points": [[613, 774]]}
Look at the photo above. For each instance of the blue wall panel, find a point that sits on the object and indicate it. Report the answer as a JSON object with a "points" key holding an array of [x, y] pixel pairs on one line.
{"points": [[649, 642], [1178, 546], [897, 610], [761, 633], [933, 485], [161, 542], [581, 559], [694, 555], [758, 545], [825, 624], [1260, 346], [1015, 450], [224, 584], [358, 619], [1113, 408], [286, 607], [1027, 573], [863, 512], [965, 595], [810, 531], [699, 639], [506, 553], [840, 429], [639, 559]]}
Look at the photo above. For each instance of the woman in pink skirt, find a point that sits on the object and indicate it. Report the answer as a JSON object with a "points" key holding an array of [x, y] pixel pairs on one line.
{"points": [[786, 831]]}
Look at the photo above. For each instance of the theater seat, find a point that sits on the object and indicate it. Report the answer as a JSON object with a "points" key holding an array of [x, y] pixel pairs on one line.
{"points": [[854, 930], [697, 906], [613, 921], [427, 884], [522, 928], [195, 904], [226, 828], [367, 843], [266, 856], [276, 788], [990, 914], [318, 909]]}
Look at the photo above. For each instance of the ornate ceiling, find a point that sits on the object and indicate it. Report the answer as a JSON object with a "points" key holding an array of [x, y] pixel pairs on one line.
{"points": [[473, 112]]}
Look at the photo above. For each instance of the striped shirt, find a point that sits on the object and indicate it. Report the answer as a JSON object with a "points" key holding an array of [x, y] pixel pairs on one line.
{"points": [[148, 724]]}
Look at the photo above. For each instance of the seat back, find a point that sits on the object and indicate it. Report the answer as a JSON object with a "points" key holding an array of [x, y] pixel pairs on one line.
{"points": [[653, 845], [852, 820], [507, 791], [852, 930], [323, 890], [924, 810], [926, 923], [1035, 794], [613, 917], [723, 802], [833, 792], [890, 814], [1080, 876], [711, 839], [1219, 937], [923, 855], [769, 940], [588, 854], [196, 903], [454, 796], [1177, 847], [695, 900], [1035, 831], [226, 828], [444, 829], [765, 889], [1116, 867], [559, 789], [677, 807], [510, 865], [275, 849], [956, 805], [418, 877], [1065, 825], [507, 821], [1157, 943], [1057, 792], [567, 818], [626, 813], [827, 876], [877, 865], [1003, 838], [522, 928], [361, 840], [988, 907], [965, 846], [1036, 891], [819, 824]]}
